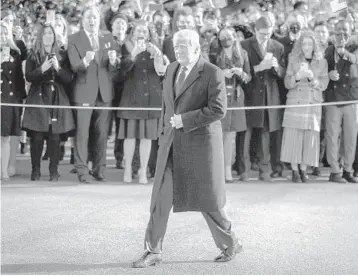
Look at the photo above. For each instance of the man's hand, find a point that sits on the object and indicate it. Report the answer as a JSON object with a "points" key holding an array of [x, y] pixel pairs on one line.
{"points": [[228, 73], [89, 57], [274, 62], [333, 75], [176, 121], [17, 32], [341, 51], [112, 56]]}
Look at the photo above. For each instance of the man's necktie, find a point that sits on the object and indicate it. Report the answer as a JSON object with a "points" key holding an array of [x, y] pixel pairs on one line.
{"points": [[180, 80], [95, 46]]}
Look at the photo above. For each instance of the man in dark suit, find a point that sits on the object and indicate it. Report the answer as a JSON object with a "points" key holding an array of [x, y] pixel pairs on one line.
{"points": [[93, 59], [267, 67], [190, 165], [183, 19]]}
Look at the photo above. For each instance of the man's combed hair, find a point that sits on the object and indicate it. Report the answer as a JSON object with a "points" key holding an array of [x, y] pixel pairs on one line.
{"points": [[189, 35]]}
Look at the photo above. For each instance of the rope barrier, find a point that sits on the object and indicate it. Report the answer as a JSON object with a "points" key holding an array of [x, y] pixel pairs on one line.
{"points": [[159, 109]]}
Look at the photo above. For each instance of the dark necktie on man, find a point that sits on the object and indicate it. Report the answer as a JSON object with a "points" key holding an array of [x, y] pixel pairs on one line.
{"points": [[180, 80]]}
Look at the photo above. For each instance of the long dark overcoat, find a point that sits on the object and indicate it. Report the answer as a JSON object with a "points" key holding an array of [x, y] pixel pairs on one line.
{"points": [[142, 86], [263, 89], [48, 88], [235, 120], [198, 157]]}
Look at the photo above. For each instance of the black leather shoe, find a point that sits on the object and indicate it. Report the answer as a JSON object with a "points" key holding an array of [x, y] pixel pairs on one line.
{"points": [[73, 171], [265, 178], [99, 177], [336, 177], [54, 176], [349, 177], [83, 179], [316, 172], [148, 259], [276, 174], [304, 176], [295, 176], [355, 174], [35, 175], [229, 253], [119, 165]]}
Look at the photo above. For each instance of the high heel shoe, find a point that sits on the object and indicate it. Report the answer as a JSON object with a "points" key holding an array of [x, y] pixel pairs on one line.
{"points": [[295, 176], [143, 176], [127, 177], [304, 176]]}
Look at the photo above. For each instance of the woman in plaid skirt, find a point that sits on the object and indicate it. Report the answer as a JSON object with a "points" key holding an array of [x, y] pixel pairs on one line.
{"points": [[306, 78]]}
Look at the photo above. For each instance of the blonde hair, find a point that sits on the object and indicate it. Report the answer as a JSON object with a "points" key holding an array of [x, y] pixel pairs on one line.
{"points": [[297, 52], [10, 39]]}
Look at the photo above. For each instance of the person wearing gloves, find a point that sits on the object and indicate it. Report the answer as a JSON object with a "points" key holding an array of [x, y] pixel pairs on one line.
{"points": [[306, 78]]}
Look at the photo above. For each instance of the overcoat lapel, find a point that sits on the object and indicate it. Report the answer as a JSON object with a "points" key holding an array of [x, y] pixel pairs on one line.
{"points": [[85, 43], [255, 45], [192, 77]]}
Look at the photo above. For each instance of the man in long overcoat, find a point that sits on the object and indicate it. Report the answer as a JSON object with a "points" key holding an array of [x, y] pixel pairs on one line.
{"points": [[267, 67], [190, 165]]}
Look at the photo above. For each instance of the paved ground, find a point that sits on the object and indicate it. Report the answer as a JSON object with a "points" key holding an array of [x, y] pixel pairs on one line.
{"points": [[66, 228]]}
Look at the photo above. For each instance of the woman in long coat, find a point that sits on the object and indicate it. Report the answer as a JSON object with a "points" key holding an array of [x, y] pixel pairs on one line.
{"points": [[142, 88], [47, 69], [306, 78], [235, 64], [12, 91]]}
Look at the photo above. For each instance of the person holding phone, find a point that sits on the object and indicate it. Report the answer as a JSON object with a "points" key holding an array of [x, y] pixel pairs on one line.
{"points": [[12, 91], [343, 86], [306, 78], [48, 71], [267, 64], [234, 62], [142, 88]]}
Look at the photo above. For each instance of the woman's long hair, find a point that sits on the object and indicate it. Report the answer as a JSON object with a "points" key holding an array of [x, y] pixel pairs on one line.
{"points": [[10, 40], [64, 23], [38, 50], [237, 50], [297, 52]]}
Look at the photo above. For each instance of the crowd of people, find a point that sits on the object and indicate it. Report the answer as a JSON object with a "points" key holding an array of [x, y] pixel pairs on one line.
{"points": [[115, 55]]}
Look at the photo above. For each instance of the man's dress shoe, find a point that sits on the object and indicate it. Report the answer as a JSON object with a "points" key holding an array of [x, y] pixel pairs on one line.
{"points": [[276, 174], [99, 177], [229, 253], [148, 259], [83, 179]]}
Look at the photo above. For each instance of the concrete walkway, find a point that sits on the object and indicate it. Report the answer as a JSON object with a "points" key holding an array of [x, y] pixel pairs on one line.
{"points": [[66, 228]]}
